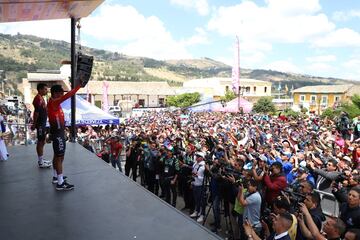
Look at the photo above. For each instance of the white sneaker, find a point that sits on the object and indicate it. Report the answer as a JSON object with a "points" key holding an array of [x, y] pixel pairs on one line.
{"points": [[200, 219], [45, 164], [194, 214]]}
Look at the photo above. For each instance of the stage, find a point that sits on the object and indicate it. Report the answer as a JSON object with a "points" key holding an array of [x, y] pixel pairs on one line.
{"points": [[104, 205]]}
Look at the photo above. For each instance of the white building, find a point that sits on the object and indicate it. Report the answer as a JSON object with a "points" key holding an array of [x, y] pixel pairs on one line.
{"points": [[127, 94], [251, 89]]}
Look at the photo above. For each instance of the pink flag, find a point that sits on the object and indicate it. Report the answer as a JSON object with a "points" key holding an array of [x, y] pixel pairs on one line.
{"points": [[236, 69], [88, 93], [105, 105]]}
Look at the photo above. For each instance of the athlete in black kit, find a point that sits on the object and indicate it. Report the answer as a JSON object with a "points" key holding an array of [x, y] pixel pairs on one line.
{"points": [[39, 123], [57, 131]]}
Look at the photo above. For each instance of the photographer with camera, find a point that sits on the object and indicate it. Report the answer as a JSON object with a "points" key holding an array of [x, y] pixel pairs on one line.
{"points": [[252, 205], [170, 175], [350, 208], [198, 171], [313, 203], [216, 185], [185, 178], [281, 223], [332, 229], [324, 177], [133, 153], [275, 182]]}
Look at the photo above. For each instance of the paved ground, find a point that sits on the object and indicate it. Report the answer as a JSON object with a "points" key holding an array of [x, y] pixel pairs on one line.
{"points": [[104, 205]]}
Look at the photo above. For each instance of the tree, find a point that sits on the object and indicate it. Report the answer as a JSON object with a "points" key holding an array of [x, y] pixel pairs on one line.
{"points": [[351, 108], [288, 112], [264, 105], [356, 100], [183, 100], [330, 113], [229, 95]]}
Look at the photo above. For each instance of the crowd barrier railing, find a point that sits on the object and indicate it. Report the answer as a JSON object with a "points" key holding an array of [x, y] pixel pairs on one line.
{"points": [[329, 204]]}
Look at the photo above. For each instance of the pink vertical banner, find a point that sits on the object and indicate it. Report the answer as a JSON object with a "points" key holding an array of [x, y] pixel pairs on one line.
{"points": [[88, 98], [105, 105], [236, 69]]}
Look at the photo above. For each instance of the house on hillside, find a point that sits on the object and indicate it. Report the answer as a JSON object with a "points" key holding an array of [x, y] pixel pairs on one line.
{"points": [[251, 89], [317, 98]]}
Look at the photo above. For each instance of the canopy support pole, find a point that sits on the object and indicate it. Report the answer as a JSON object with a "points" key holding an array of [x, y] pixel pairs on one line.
{"points": [[73, 72]]}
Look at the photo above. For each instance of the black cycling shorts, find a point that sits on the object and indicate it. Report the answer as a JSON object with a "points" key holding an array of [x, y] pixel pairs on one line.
{"points": [[41, 133], [59, 144]]}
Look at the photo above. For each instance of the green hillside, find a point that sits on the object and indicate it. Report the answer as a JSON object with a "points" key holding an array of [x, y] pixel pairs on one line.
{"points": [[22, 53]]}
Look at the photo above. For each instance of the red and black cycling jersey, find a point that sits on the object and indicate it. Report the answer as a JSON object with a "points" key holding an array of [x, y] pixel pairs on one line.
{"points": [[40, 108], [55, 112]]}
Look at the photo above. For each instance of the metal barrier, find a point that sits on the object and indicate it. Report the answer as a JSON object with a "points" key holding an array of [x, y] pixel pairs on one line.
{"points": [[328, 199]]}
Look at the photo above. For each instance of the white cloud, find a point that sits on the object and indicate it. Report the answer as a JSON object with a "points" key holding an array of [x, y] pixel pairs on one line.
{"points": [[322, 58], [201, 6], [53, 29], [319, 68], [343, 37], [294, 7], [279, 21], [145, 36], [345, 16], [199, 38], [352, 70], [352, 64], [283, 66]]}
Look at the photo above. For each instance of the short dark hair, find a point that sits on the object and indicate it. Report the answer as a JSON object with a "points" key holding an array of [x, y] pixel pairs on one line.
{"points": [[333, 162], [253, 183], [287, 216], [356, 189], [41, 86], [56, 88], [315, 197], [355, 231], [282, 203], [340, 226], [278, 165]]}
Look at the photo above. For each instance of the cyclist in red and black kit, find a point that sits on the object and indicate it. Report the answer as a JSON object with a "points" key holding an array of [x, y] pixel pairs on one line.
{"points": [[57, 131], [39, 123]]}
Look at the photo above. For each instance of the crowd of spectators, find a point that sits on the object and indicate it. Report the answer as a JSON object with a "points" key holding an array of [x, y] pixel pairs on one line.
{"points": [[261, 176], [268, 174]]}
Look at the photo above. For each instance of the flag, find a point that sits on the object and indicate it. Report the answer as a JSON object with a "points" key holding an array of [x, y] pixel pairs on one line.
{"points": [[235, 75], [88, 93], [105, 105]]}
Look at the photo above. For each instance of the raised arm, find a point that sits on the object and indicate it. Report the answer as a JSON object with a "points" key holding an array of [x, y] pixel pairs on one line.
{"points": [[69, 94]]}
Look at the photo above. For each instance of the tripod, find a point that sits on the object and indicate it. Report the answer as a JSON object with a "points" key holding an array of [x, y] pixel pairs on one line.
{"points": [[228, 226]]}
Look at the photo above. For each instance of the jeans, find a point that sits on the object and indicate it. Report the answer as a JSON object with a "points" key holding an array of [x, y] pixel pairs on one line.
{"points": [[199, 199], [115, 162], [168, 190], [133, 167], [216, 210]]}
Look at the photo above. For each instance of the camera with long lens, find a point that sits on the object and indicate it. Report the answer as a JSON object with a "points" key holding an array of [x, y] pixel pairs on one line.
{"points": [[339, 180], [295, 198], [266, 216]]}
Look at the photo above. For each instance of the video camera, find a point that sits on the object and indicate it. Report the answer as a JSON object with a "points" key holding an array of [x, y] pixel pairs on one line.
{"points": [[295, 198]]}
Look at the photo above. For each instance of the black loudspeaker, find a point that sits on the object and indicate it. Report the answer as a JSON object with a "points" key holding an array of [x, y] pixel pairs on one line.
{"points": [[84, 66]]}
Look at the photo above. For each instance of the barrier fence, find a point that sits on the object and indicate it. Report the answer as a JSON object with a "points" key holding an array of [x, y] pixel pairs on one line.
{"points": [[329, 204]]}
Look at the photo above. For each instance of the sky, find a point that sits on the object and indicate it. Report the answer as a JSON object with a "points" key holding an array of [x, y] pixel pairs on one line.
{"points": [[315, 37]]}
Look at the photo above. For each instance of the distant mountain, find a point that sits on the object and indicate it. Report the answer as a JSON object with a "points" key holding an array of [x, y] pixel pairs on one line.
{"points": [[22, 53]]}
